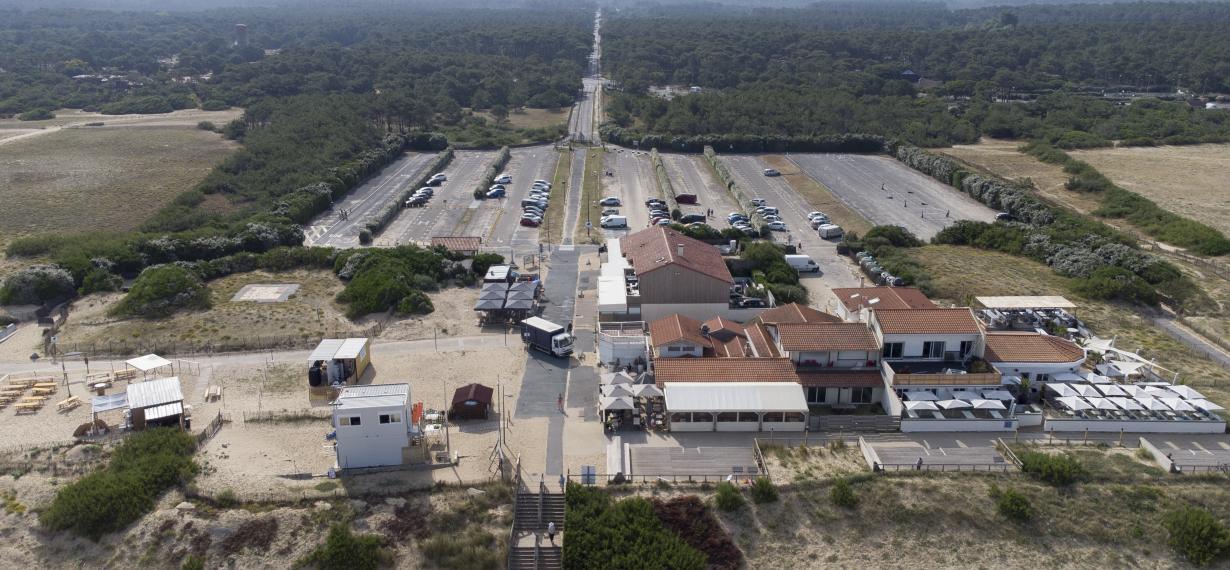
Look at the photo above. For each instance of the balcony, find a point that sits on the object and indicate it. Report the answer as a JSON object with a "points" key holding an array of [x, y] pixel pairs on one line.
{"points": [[940, 373]]}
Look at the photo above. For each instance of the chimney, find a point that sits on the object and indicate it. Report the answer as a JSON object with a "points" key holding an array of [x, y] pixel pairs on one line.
{"points": [[679, 249]]}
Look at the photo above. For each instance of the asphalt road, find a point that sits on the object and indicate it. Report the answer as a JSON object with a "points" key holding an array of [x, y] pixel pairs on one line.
{"points": [[572, 214], [632, 181], [330, 230], [442, 215], [909, 199], [835, 270], [581, 124], [690, 174], [499, 221]]}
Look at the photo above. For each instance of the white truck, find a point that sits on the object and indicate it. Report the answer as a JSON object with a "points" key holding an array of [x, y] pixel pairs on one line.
{"points": [[827, 231], [547, 336], [803, 263]]}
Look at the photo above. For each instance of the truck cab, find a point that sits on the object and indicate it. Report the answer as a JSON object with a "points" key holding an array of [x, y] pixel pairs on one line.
{"points": [[546, 336]]}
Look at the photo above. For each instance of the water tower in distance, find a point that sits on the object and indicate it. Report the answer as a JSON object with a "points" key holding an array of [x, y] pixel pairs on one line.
{"points": [[241, 35]]}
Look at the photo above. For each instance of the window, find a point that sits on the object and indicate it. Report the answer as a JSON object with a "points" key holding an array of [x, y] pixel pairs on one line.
{"points": [[775, 417], [681, 418], [728, 416], [702, 417], [350, 420], [816, 394], [749, 417], [966, 347], [390, 418], [794, 417], [892, 349], [933, 349], [860, 395]]}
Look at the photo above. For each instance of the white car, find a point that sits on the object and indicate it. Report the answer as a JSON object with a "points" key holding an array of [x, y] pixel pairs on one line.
{"points": [[611, 201], [771, 172], [814, 215], [772, 218], [542, 183], [439, 176], [503, 179], [777, 226]]}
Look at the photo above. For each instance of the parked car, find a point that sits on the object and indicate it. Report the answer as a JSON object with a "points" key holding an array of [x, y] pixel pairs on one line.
{"points": [[614, 222], [653, 201], [751, 303], [772, 218], [654, 220], [610, 211], [690, 218], [496, 193], [662, 223], [416, 202], [542, 182], [749, 231], [539, 196], [816, 223], [439, 176], [813, 215], [497, 187], [685, 198], [611, 201], [778, 226], [803, 263], [759, 202], [771, 172], [426, 190], [437, 179], [503, 179], [827, 231], [532, 211], [529, 222]]}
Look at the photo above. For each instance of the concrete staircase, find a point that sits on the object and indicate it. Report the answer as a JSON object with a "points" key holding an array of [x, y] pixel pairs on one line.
{"points": [[531, 515]]}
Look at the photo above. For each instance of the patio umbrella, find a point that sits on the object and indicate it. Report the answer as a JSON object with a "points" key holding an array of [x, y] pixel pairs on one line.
{"points": [[1086, 390], [1205, 405], [1110, 390], [1127, 403], [966, 395], [1130, 368], [1073, 403], [1131, 390], [1152, 404], [616, 390], [1108, 370], [921, 396], [1158, 392], [916, 405], [1098, 379], [615, 378], [615, 404], [1178, 404], [1186, 392], [953, 404], [996, 394], [1061, 389], [1102, 404], [647, 391], [987, 404]]}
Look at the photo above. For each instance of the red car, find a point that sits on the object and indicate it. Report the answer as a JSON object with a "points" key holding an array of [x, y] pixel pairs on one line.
{"points": [[529, 222], [685, 198]]}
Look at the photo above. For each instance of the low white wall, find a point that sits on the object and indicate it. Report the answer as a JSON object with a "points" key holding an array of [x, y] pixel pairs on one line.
{"points": [[954, 425], [738, 426], [782, 426], [1029, 420], [891, 403], [691, 426], [623, 349], [1143, 426], [1157, 454]]}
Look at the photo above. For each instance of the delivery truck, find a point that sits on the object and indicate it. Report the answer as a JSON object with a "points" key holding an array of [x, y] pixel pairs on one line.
{"points": [[803, 263], [546, 336]]}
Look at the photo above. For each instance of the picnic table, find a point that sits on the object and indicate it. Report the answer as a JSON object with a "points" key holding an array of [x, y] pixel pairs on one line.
{"points": [[29, 408], [39, 399], [44, 391], [68, 403], [213, 393], [125, 375], [46, 385]]}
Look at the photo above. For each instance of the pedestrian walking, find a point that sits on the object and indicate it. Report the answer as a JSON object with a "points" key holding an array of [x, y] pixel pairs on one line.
{"points": [[551, 531], [559, 402]]}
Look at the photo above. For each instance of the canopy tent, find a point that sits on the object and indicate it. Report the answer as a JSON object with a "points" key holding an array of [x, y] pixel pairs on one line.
{"points": [[1151, 404], [1109, 370], [1186, 392], [953, 404], [966, 395], [1067, 377], [1102, 404], [492, 295], [1099, 344], [616, 390], [1130, 368], [519, 304], [1074, 403], [472, 401], [1110, 390], [1205, 405], [1158, 392], [1023, 302], [530, 286], [615, 378], [149, 362], [1127, 403], [1097, 379], [923, 405], [1062, 390], [489, 304], [520, 295], [1178, 404], [1130, 390], [921, 396], [987, 404], [1086, 390], [997, 394], [615, 404], [646, 390], [735, 397]]}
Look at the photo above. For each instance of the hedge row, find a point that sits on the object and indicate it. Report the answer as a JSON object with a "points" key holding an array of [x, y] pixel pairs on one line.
{"points": [[858, 143], [380, 219], [493, 170], [995, 193], [741, 197], [1142, 212], [664, 181]]}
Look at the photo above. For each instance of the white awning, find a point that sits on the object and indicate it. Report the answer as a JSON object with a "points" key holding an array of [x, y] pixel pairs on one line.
{"points": [[338, 348], [351, 348], [996, 394], [1206, 405], [1073, 403], [735, 397], [924, 405], [610, 404], [612, 287], [1020, 302], [987, 405], [921, 396], [953, 404], [164, 411], [147, 362], [646, 391]]}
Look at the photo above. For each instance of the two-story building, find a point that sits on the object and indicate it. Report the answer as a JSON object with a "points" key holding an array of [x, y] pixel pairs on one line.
{"points": [[931, 348], [837, 363], [855, 303], [372, 425], [657, 272]]}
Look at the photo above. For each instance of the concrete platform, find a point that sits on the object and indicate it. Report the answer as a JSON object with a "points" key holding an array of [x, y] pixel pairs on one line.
{"points": [[681, 462]]}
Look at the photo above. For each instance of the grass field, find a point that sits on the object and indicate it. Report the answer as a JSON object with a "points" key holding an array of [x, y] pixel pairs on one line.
{"points": [[1001, 157], [818, 196], [83, 179], [591, 193], [531, 118], [993, 273], [554, 229]]}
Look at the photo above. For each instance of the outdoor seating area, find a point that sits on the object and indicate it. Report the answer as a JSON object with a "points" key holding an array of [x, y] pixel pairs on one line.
{"points": [[1029, 313], [623, 403], [957, 405], [13, 391], [500, 302], [1150, 401]]}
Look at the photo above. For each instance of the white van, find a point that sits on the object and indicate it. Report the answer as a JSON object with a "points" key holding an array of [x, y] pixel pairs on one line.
{"points": [[614, 222], [802, 263], [827, 231]]}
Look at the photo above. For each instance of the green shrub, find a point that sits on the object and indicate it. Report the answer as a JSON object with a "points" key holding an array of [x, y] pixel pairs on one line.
{"points": [[344, 550], [193, 562], [36, 115], [604, 533], [365, 236], [789, 294], [763, 490], [380, 279], [162, 290], [1115, 283], [207, 126], [1012, 505], [842, 494], [728, 497], [36, 284], [100, 280], [140, 469], [483, 261], [1196, 535], [415, 303], [895, 236], [1059, 470], [214, 105], [475, 549]]}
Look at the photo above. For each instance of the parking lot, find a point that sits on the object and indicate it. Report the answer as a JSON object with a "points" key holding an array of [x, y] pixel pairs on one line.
{"points": [[835, 270], [690, 174], [499, 221], [632, 181], [330, 230], [443, 214], [887, 192], [1193, 453], [909, 455]]}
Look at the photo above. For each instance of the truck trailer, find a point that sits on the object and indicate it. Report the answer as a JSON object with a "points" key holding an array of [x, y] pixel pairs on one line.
{"points": [[546, 336]]}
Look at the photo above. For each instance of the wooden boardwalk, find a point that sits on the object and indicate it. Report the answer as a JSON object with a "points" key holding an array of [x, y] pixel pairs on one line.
{"points": [[696, 461]]}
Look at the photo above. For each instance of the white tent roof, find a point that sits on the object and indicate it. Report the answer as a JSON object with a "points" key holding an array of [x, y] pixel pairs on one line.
{"points": [[1110, 390], [997, 394], [953, 404], [921, 396], [616, 390], [1086, 390], [154, 393], [1026, 302], [921, 405], [1073, 403], [1127, 403], [1159, 392], [1099, 344], [1061, 389], [1178, 404], [1151, 403], [647, 390], [1186, 392], [987, 405], [1102, 404], [147, 362], [615, 378], [1205, 405], [735, 397], [337, 348], [607, 404]]}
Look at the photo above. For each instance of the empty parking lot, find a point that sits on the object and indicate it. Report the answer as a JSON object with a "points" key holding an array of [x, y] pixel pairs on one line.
{"points": [[330, 230], [690, 174]]}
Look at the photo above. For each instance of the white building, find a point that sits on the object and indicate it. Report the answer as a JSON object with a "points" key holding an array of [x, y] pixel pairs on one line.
{"points": [[372, 424], [1033, 356]]}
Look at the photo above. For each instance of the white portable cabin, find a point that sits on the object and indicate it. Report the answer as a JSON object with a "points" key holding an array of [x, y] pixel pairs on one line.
{"points": [[372, 424]]}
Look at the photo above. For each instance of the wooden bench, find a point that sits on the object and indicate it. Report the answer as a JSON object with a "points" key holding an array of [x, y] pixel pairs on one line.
{"points": [[46, 385], [213, 393], [68, 404], [32, 399], [128, 375], [44, 391], [29, 408]]}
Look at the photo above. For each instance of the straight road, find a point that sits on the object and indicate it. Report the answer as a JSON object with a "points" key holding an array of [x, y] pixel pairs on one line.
{"points": [[526, 165], [573, 200], [447, 207], [330, 230], [690, 174], [632, 181], [887, 192], [835, 270], [581, 124]]}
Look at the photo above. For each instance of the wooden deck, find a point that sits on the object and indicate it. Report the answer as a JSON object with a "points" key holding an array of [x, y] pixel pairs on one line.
{"points": [[696, 461]]}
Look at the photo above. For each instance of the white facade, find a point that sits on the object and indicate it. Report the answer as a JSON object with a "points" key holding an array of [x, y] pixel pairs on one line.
{"points": [[679, 349], [372, 424], [1036, 370], [914, 345], [736, 406], [698, 311]]}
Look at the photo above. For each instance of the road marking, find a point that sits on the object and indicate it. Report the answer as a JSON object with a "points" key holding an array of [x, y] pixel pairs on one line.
{"points": [[1224, 445], [1197, 445], [1171, 444]]}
